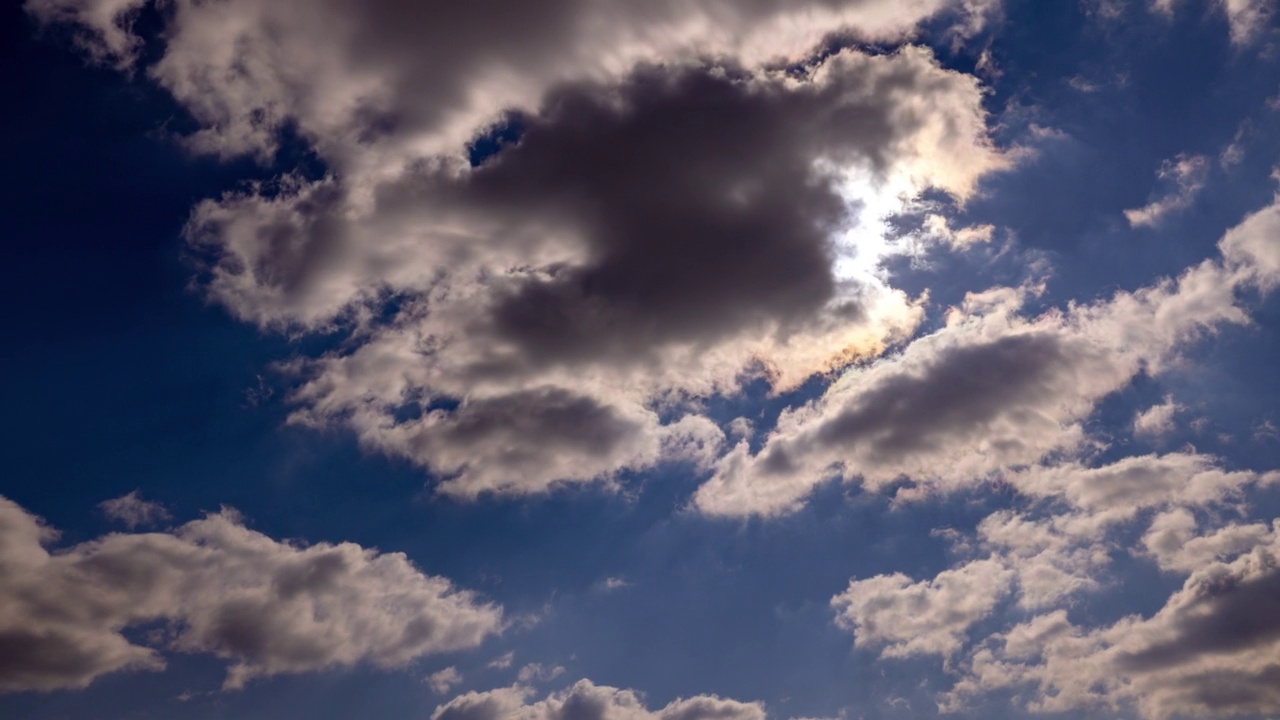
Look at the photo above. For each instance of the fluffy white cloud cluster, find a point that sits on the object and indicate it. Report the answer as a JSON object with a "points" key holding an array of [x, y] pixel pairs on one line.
{"points": [[268, 607], [588, 701]]}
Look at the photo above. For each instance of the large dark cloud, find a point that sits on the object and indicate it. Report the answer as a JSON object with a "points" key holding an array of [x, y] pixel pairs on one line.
{"points": [[697, 197]]}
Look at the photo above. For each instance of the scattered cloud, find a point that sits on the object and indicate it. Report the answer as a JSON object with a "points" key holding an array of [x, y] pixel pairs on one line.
{"points": [[133, 511], [1209, 652], [1157, 420], [925, 617], [537, 672], [1187, 175], [588, 701], [442, 681], [502, 662], [267, 607]]}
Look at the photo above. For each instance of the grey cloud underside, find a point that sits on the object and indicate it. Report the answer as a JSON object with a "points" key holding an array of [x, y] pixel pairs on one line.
{"points": [[219, 588], [1226, 614], [695, 196], [660, 235]]}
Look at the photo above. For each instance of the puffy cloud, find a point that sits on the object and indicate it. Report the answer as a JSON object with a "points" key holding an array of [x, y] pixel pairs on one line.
{"points": [[1173, 542], [266, 606], [1118, 490], [1251, 250], [1187, 176], [993, 390], [133, 511], [442, 681], [989, 391], [1156, 420], [587, 701], [925, 617], [551, 230], [367, 80], [538, 672], [1213, 650]]}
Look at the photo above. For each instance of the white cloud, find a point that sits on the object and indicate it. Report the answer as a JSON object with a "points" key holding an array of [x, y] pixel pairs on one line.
{"points": [[1157, 420], [924, 617], [587, 701], [538, 672], [442, 681], [133, 511], [1211, 651], [503, 661], [989, 391], [266, 606], [1187, 175]]}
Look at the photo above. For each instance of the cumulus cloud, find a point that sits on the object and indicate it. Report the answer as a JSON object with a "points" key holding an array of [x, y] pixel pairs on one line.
{"points": [[1211, 651], [390, 76], [547, 230], [993, 390], [989, 391], [442, 681], [925, 617], [267, 607], [1187, 176], [538, 672], [588, 701], [1157, 420], [133, 511]]}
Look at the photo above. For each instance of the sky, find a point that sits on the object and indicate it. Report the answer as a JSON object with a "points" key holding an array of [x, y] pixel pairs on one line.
{"points": [[664, 360]]}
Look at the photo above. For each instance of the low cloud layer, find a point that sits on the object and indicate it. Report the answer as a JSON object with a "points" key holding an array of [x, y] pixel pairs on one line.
{"points": [[70, 615]]}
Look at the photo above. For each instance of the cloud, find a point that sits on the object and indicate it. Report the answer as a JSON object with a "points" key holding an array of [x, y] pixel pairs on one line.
{"points": [[1245, 18], [133, 511], [587, 701], [1187, 175], [992, 390], [1122, 488], [925, 617], [584, 307], [989, 391], [365, 80], [547, 233], [442, 681], [503, 662], [1211, 651], [538, 672], [267, 607], [1157, 420]]}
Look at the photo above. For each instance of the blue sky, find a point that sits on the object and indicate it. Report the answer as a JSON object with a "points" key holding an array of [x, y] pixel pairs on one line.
{"points": [[784, 359]]}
